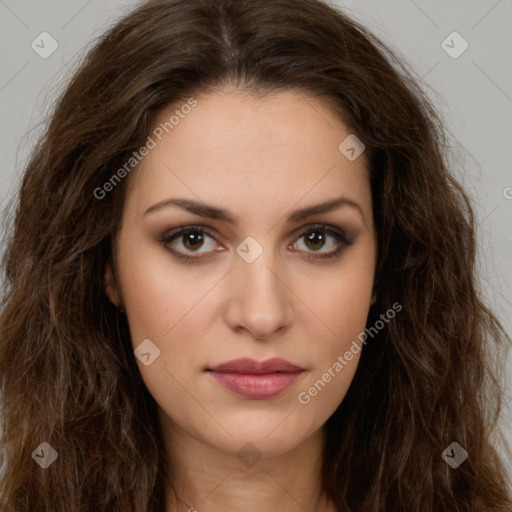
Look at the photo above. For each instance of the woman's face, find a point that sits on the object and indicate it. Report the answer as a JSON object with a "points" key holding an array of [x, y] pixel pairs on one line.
{"points": [[263, 280]]}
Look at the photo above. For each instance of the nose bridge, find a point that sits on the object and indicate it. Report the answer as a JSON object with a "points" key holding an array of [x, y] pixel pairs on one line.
{"points": [[259, 278], [260, 297]]}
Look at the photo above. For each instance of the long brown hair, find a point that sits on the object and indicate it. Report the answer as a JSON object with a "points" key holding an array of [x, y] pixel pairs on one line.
{"points": [[67, 369]]}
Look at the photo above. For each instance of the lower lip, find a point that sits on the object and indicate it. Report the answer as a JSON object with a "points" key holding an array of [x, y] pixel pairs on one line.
{"points": [[256, 387]]}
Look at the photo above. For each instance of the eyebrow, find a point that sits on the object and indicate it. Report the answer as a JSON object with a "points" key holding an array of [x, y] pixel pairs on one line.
{"points": [[210, 211]]}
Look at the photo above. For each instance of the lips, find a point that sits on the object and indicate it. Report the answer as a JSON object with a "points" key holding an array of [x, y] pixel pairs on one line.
{"points": [[256, 380], [251, 366]]}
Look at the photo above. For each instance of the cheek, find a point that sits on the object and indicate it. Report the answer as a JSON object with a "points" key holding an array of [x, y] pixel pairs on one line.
{"points": [[340, 303], [174, 307], [335, 316], [335, 348], [160, 297], [323, 391]]}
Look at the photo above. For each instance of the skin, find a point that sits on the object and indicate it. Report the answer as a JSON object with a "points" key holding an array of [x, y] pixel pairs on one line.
{"points": [[260, 159]]}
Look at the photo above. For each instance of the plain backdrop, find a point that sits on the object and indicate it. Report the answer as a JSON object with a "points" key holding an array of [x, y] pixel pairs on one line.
{"points": [[472, 90]]}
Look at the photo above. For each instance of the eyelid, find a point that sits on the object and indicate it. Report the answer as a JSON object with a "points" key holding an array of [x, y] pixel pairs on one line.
{"points": [[296, 234], [173, 233], [327, 228]]}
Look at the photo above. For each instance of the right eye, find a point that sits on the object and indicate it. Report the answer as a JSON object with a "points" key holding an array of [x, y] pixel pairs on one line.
{"points": [[188, 238]]}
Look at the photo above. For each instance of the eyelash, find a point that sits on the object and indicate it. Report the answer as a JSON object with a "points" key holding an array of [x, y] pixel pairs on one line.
{"points": [[338, 235]]}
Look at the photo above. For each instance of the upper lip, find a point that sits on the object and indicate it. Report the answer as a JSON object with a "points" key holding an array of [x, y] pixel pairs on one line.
{"points": [[248, 366]]}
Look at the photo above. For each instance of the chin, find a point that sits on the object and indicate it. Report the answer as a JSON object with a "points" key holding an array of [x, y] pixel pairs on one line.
{"points": [[272, 435]]}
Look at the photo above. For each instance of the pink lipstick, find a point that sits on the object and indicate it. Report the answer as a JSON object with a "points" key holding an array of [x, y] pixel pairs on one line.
{"points": [[256, 380]]}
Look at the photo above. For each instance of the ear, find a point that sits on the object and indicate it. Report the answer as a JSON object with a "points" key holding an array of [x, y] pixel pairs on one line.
{"points": [[111, 288]]}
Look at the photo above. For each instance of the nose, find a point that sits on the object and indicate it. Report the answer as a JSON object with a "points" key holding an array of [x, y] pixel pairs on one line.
{"points": [[259, 298]]}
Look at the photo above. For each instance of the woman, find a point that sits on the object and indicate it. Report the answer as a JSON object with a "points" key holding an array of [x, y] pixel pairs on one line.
{"points": [[241, 277]]}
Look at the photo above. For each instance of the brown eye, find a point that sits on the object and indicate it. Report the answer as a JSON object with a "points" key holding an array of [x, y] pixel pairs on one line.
{"points": [[188, 240], [318, 237], [192, 240], [315, 240]]}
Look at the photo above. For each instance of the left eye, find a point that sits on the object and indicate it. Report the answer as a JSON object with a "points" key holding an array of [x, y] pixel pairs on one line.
{"points": [[316, 239], [193, 238]]}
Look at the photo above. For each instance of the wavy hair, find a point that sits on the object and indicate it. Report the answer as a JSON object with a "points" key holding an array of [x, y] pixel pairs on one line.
{"points": [[67, 371]]}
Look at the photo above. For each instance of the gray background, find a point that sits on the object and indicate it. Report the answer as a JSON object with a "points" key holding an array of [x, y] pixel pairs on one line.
{"points": [[473, 93]]}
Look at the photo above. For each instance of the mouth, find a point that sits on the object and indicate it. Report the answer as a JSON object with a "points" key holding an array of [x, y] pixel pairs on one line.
{"points": [[256, 380]]}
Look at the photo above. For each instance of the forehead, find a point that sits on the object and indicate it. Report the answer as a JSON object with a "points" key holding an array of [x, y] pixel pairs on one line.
{"points": [[234, 148]]}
